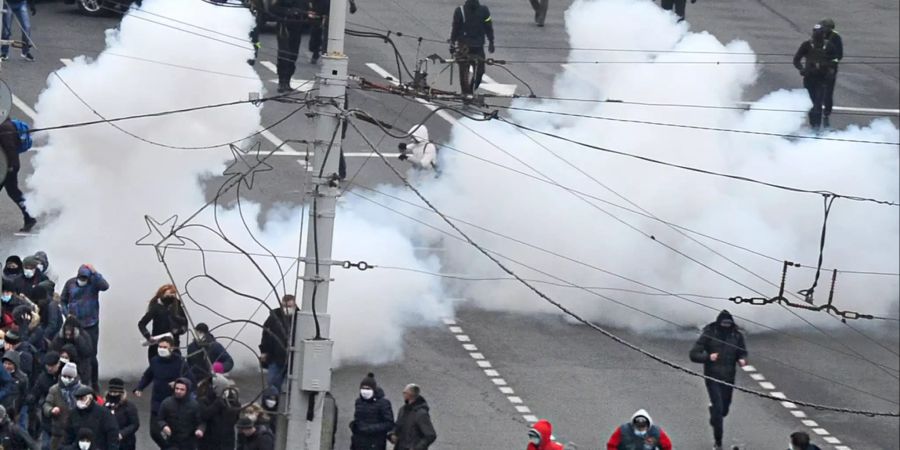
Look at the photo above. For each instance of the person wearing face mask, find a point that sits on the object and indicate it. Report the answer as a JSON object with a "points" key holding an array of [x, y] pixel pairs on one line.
{"points": [[373, 417], [413, 429], [639, 434], [88, 414], [252, 436], [33, 278], [218, 411], [720, 349], [10, 299], [18, 392], [85, 441], [59, 403], [13, 267], [162, 372], [44, 267], [540, 437], [205, 352], [80, 297], [48, 377], [179, 418], [800, 441], [80, 347], [273, 354], [13, 436], [472, 23], [125, 413], [167, 315]]}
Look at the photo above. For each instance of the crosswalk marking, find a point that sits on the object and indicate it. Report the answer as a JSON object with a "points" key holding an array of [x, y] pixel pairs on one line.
{"points": [[296, 83], [489, 84]]}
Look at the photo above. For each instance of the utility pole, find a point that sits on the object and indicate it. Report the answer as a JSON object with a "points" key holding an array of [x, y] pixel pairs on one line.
{"points": [[309, 374]]}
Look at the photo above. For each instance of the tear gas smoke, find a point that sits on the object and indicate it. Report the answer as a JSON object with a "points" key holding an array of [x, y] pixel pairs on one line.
{"points": [[96, 184], [786, 225]]}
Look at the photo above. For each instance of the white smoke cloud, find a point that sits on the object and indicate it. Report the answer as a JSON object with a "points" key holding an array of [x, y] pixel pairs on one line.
{"points": [[95, 184], [787, 225]]}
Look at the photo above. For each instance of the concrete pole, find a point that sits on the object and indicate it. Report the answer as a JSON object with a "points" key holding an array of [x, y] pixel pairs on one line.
{"points": [[309, 374]]}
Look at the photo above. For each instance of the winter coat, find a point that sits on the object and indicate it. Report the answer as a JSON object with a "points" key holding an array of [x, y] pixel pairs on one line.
{"points": [[97, 419], [84, 302], [41, 387], [728, 343], [18, 386], [203, 353], [545, 429], [62, 397], [13, 437], [263, 439], [471, 25], [220, 418], [819, 60], [274, 341], [182, 416], [372, 421], [84, 350], [9, 144], [625, 439], [27, 362], [165, 318], [161, 372], [413, 428], [38, 287], [129, 422]]}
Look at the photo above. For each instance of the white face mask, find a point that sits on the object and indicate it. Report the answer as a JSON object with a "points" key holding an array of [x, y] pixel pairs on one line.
{"points": [[366, 393], [2, 343], [82, 404], [63, 361], [40, 267], [28, 273], [84, 445], [640, 433], [81, 283], [271, 403], [536, 440], [165, 353], [252, 417], [67, 380]]}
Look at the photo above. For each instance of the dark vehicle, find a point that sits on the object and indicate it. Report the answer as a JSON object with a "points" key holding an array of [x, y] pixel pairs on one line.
{"points": [[98, 8]]}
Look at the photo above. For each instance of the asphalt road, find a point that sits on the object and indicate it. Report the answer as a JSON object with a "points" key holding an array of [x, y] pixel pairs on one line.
{"points": [[585, 383]]}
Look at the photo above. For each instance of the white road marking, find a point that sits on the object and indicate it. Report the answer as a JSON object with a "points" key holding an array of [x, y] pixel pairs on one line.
{"points": [[462, 338], [748, 368], [758, 376], [491, 373], [484, 364], [809, 423], [821, 431], [393, 80], [507, 390], [302, 85], [449, 321], [842, 447], [843, 108], [476, 355], [831, 440], [470, 347], [499, 381], [514, 399], [766, 385], [523, 409], [24, 107], [489, 84], [456, 330], [789, 405], [798, 414], [530, 419], [779, 395]]}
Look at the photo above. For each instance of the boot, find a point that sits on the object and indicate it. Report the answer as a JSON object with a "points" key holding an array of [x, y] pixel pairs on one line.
{"points": [[315, 58], [284, 87], [826, 123], [30, 222]]}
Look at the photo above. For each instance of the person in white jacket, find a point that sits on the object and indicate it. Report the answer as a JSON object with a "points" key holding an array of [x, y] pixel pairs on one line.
{"points": [[421, 152]]}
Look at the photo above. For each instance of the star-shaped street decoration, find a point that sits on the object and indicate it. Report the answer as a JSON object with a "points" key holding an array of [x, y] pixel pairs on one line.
{"points": [[246, 169], [160, 235]]}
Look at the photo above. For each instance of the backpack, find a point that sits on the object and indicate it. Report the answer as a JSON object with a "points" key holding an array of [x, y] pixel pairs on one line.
{"points": [[24, 135]]}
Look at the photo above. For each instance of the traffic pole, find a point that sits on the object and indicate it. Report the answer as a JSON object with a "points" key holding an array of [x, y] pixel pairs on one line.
{"points": [[309, 374]]}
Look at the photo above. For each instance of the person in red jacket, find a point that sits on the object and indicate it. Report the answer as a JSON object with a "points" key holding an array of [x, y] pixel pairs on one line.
{"points": [[639, 434], [540, 437]]}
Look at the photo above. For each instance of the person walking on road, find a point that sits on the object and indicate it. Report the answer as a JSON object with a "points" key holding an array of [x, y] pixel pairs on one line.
{"points": [[18, 11], [81, 298], [816, 60], [167, 315], [179, 418], [293, 17], [540, 437], [88, 414], [678, 5], [125, 412], [206, 353], [163, 371], [540, 11], [720, 349], [60, 402], [253, 436], [639, 434], [10, 144], [472, 23], [413, 429], [836, 42], [800, 441], [373, 417]]}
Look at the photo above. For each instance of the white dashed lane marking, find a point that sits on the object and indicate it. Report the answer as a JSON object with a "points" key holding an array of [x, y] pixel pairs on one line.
{"points": [[489, 371], [793, 409]]}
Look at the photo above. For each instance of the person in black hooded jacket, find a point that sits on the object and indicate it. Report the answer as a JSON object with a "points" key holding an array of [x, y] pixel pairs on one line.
{"points": [[9, 144], [125, 413], [720, 349], [179, 418], [413, 429], [472, 23], [373, 418]]}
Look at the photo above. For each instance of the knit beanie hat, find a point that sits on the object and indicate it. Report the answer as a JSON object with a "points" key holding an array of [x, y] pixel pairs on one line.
{"points": [[69, 370], [369, 381]]}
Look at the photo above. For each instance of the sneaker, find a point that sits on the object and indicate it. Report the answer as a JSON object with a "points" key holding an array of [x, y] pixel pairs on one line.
{"points": [[4, 57], [28, 57], [30, 222]]}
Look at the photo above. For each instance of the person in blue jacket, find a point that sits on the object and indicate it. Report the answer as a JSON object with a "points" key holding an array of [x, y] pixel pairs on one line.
{"points": [[164, 369], [80, 297]]}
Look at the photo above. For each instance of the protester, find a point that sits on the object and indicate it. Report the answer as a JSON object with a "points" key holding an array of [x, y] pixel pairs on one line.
{"points": [[40, 388], [167, 314], [472, 24], [12, 436], [179, 418], [640, 433], [219, 411], [164, 369], [77, 345], [413, 429], [17, 11], [18, 391], [88, 414], [274, 342], [10, 144], [540, 437], [125, 412], [253, 436], [81, 298], [59, 403], [800, 441], [373, 417], [205, 353]]}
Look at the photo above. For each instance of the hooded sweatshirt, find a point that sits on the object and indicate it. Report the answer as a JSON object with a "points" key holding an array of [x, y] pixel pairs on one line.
{"points": [[545, 429], [727, 342], [626, 437], [471, 24], [84, 301]]}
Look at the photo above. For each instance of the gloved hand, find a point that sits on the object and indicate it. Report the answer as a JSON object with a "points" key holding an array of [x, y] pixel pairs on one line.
{"points": [[491, 47]]}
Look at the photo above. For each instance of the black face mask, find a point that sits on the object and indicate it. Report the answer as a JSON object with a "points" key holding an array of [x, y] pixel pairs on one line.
{"points": [[113, 399], [168, 300]]}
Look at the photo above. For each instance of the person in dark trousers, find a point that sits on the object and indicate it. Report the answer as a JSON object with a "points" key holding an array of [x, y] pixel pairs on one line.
{"points": [[167, 315], [836, 42], [19, 387], [318, 27], [540, 11], [293, 17], [472, 23], [373, 417], [413, 429], [88, 414], [77, 345], [12, 436], [205, 353], [10, 143], [60, 402], [48, 378], [720, 349], [800, 441], [80, 297], [679, 6], [252, 436], [20, 9], [815, 59], [640, 433], [125, 412], [274, 342], [219, 412], [164, 369], [179, 418]]}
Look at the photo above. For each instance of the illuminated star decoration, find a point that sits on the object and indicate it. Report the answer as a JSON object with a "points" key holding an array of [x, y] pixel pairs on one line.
{"points": [[160, 235], [243, 168]]}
